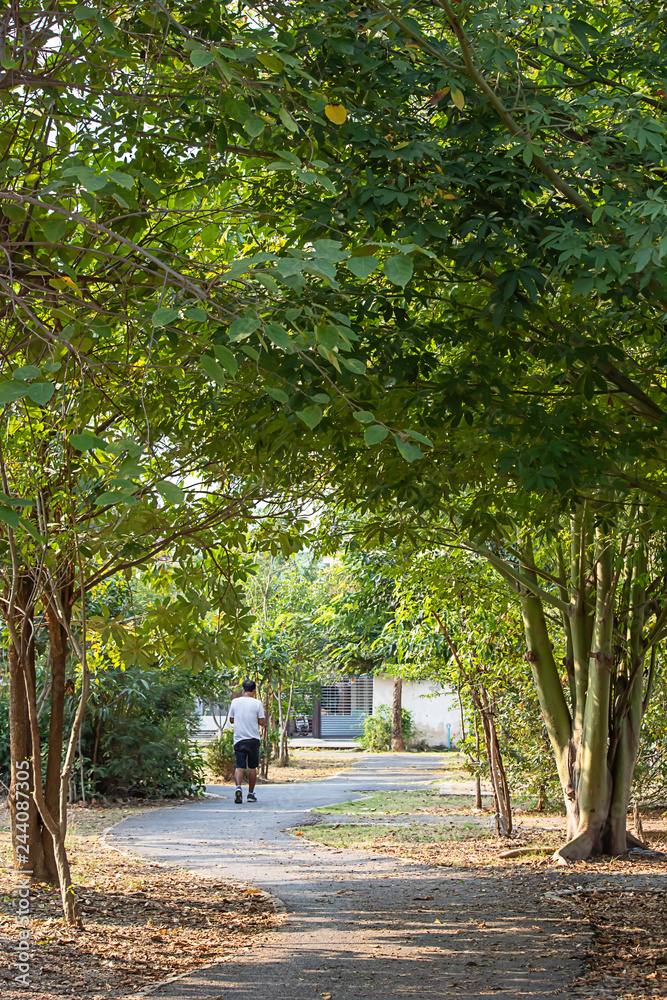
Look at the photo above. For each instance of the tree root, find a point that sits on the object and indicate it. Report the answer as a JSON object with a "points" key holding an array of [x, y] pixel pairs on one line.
{"points": [[581, 848], [578, 849], [518, 852], [632, 841]]}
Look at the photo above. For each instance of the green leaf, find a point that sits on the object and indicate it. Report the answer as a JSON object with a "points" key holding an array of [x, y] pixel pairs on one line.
{"points": [[197, 314], [31, 529], [112, 497], [311, 416], [375, 434], [201, 57], [41, 392], [362, 267], [279, 336], [410, 452], [9, 516], [10, 391], [238, 110], [125, 180], [92, 182], [212, 368], [14, 212], [86, 440], [226, 358], [54, 229], [363, 416], [15, 501], [27, 372], [81, 12], [277, 394], [287, 120], [416, 436], [164, 316], [353, 365], [170, 491], [398, 269], [221, 140], [210, 235], [254, 127], [243, 327]]}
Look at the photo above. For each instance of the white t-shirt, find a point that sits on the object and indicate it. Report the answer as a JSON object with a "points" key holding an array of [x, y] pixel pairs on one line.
{"points": [[245, 712]]}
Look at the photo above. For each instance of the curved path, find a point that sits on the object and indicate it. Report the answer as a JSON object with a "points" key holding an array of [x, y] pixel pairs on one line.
{"points": [[360, 925]]}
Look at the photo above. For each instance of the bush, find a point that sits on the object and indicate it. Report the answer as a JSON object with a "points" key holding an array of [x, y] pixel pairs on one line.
{"points": [[137, 738], [220, 755], [650, 778], [377, 729]]}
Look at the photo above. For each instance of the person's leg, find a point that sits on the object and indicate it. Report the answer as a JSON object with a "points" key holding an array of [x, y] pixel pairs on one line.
{"points": [[253, 764], [241, 759]]}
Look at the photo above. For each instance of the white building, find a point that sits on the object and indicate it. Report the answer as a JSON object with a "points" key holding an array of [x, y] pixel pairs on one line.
{"points": [[345, 704], [435, 711]]}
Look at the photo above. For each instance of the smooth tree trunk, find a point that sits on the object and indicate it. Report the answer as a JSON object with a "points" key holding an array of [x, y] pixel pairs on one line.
{"points": [[595, 736], [397, 741], [283, 758]]}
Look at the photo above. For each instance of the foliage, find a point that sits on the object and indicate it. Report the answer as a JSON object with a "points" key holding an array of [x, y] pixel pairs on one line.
{"points": [[138, 737], [377, 729], [219, 755], [650, 777]]}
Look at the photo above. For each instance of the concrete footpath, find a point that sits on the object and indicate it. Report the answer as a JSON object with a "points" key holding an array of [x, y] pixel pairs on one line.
{"points": [[360, 925]]}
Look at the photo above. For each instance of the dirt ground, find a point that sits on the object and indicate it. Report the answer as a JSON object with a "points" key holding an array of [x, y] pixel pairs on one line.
{"points": [[304, 765], [143, 921]]}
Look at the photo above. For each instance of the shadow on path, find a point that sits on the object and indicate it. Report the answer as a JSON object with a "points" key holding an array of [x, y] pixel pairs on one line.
{"points": [[360, 925]]}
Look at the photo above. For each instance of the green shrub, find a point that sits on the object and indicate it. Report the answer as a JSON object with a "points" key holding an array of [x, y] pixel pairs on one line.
{"points": [[219, 755], [138, 734], [377, 729]]}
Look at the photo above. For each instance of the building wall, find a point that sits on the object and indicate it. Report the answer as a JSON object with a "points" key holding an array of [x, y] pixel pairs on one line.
{"points": [[432, 707]]}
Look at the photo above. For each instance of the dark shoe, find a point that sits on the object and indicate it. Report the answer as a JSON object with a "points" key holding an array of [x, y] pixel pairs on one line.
{"points": [[238, 798], [252, 797]]}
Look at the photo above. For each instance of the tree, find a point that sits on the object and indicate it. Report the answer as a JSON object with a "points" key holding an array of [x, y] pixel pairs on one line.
{"points": [[397, 741], [537, 223]]}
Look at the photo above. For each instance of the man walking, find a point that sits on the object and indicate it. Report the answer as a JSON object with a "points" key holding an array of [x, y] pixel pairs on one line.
{"points": [[246, 714]]}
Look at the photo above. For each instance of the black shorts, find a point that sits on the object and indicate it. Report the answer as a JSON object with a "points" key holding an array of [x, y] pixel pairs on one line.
{"points": [[247, 753]]}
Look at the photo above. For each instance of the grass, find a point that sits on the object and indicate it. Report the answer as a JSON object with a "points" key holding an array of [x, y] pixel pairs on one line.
{"points": [[355, 835], [406, 803]]}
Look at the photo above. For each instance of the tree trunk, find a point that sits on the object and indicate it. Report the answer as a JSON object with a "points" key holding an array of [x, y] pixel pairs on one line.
{"points": [[637, 821], [284, 726], [478, 780], [264, 763], [397, 741], [595, 746], [58, 649], [25, 820], [499, 785]]}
